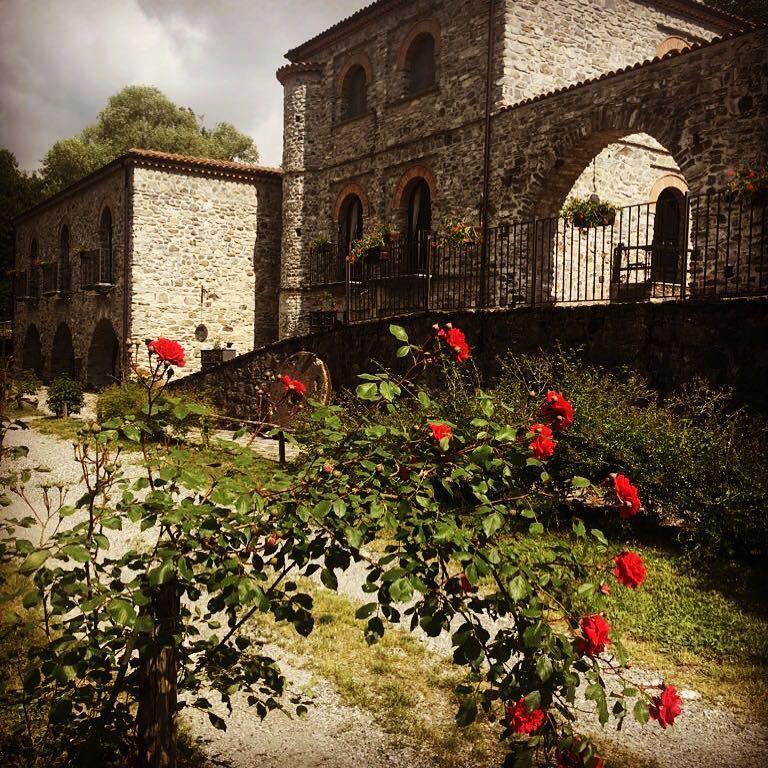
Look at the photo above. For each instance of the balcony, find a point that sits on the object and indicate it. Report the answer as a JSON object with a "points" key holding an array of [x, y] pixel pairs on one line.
{"points": [[27, 285], [96, 270], [56, 278]]}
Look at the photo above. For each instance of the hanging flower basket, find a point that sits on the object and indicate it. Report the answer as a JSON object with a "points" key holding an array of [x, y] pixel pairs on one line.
{"points": [[588, 213], [373, 246], [750, 185]]}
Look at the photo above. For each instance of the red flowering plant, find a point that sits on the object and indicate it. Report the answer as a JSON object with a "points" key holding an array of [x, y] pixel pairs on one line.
{"points": [[467, 552], [748, 183]]}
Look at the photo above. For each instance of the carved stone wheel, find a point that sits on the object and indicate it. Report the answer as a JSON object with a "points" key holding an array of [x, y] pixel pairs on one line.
{"points": [[312, 372]]}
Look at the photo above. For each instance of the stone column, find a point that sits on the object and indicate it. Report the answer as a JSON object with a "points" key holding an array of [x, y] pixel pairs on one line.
{"points": [[302, 104]]}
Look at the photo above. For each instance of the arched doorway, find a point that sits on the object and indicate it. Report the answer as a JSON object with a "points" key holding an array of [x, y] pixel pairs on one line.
{"points": [[667, 236], [63, 353], [419, 224], [32, 351], [103, 356], [350, 223]]}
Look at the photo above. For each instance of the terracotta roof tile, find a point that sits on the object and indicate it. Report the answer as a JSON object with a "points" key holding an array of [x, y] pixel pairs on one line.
{"points": [[727, 21], [153, 157], [648, 62], [296, 67]]}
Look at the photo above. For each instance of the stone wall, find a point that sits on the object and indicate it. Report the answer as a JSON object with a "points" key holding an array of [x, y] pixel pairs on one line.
{"points": [[80, 312], [439, 133], [550, 45], [212, 238], [670, 343]]}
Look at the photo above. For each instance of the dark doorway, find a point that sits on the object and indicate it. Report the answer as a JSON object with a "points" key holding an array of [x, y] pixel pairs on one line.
{"points": [[63, 353], [350, 226], [421, 60], [419, 225], [103, 356], [32, 352], [667, 237]]}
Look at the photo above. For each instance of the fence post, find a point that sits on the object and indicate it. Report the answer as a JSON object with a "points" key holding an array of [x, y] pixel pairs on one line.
{"points": [[347, 290], [686, 237]]}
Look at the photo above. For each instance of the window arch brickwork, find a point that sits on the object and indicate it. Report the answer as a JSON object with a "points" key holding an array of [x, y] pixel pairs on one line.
{"points": [[400, 198]]}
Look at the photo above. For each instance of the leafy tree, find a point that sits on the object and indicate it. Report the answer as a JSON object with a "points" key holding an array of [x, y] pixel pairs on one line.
{"points": [[747, 9], [18, 191], [142, 117]]}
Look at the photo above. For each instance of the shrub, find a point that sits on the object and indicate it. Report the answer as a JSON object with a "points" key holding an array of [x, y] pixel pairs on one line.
{"points": [[65, 396], [120, 401], [24, 382], [698, 462]]}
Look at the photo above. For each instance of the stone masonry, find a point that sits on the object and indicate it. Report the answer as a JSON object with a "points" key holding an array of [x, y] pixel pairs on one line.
{"points": [[438, 134], [191, 228]]}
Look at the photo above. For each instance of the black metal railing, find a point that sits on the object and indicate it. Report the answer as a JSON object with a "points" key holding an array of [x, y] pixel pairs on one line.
{"points": [[713, 245], [96, 268], [56, 278], [27, 284]]}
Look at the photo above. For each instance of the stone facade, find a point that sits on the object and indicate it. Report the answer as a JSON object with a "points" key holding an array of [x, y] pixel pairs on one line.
{"points": [[191, 229], [83, 321], [538, 47]]}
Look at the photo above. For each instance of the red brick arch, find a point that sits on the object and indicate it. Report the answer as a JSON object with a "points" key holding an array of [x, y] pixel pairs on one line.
{"points": [[425, 26], [353, 188], [359, 59], [400, 199]]}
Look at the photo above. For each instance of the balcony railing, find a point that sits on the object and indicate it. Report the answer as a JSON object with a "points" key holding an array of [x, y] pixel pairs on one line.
{"points": [[56, 278], [96, 269], [708, 246], [27, 284]]}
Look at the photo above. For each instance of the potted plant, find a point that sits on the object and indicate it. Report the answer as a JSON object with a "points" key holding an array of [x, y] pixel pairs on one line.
{"points": [[373, 245], [749, 184], [589, 212], [320, 243], [458, 233]]}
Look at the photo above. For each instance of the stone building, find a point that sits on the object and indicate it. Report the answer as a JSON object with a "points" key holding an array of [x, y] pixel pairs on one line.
{"points": [[413, 114], [150, 245]]}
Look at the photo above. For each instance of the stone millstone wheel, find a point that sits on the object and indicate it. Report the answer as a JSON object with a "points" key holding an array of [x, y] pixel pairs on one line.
{"points": [[312, 372]]}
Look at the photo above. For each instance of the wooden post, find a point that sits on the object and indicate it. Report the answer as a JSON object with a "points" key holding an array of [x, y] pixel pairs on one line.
{"points": [[281, 447], [158, 698]]}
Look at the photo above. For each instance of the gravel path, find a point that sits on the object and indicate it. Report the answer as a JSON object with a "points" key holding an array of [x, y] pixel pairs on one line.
{"points": [[337, 736]]}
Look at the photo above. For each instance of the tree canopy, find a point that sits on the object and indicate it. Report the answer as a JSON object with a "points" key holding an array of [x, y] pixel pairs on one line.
{"points": [[143, 117]]}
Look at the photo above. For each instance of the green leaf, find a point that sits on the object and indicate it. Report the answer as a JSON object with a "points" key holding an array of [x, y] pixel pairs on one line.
{"points": [[132, 432], [328, 577], [403, 351], [492, 523], [121, 612], [364, 611], [217, 722], [579, 529], [544, 668], [533, 700], [34, 560], [31, 599], [519, 588], [77, 552], [580, 482], [369, 391], [640, 712], [398, 332], [66, 511], [536, 529], [401, 590], [354, 537], [467, 713]]}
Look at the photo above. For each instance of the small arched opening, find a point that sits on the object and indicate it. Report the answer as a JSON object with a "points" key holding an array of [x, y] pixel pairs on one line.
{"points": [[354, 93], [63, 353], [32, 351], [420, 64], [103, 356], [350, 223]]}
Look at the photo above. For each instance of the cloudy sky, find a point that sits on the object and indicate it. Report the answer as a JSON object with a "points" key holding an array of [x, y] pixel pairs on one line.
{"points": [[61, 59]]}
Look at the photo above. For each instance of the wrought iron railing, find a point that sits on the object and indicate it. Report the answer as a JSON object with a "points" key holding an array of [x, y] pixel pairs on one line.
{"points": [[713, 245], [96, 269], [56, 278]]}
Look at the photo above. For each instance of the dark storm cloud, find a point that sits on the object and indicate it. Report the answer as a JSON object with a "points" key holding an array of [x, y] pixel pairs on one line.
{"points": [[61, 59]]}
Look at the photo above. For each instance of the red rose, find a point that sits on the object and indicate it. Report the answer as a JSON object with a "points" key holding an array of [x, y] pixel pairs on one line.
{"points": [[750, 187], [666, 707], [272, 540], [465, 584], [168, 351], [629, 570], [557, 411], [595, 629], [731, 173], [456, 340], [293, 386], [520, 720], [439, 431], [626, 493], [540, 429], [543, 447]]}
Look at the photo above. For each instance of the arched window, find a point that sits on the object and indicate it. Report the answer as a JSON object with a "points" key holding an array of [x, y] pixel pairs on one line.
{"points": [[105, 247], [667, 236], [354, 93], [350, 223], [420, 64], [672, 43], [419, 225]]}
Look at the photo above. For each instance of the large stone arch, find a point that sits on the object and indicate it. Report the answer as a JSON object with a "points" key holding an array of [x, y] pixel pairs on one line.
{"points": [[62, 353], [103, 355], [32, 351]]}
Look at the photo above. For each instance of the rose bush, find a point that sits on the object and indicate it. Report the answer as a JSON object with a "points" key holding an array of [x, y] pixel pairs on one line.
{"points": [[448, 483]]}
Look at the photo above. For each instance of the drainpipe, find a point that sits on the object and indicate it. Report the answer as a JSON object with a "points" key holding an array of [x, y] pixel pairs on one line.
{"points": [[127, 223], [487, 157]]}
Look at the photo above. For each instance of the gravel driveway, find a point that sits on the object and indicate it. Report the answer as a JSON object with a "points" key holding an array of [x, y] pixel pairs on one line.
{"points": [[337, 736]]}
